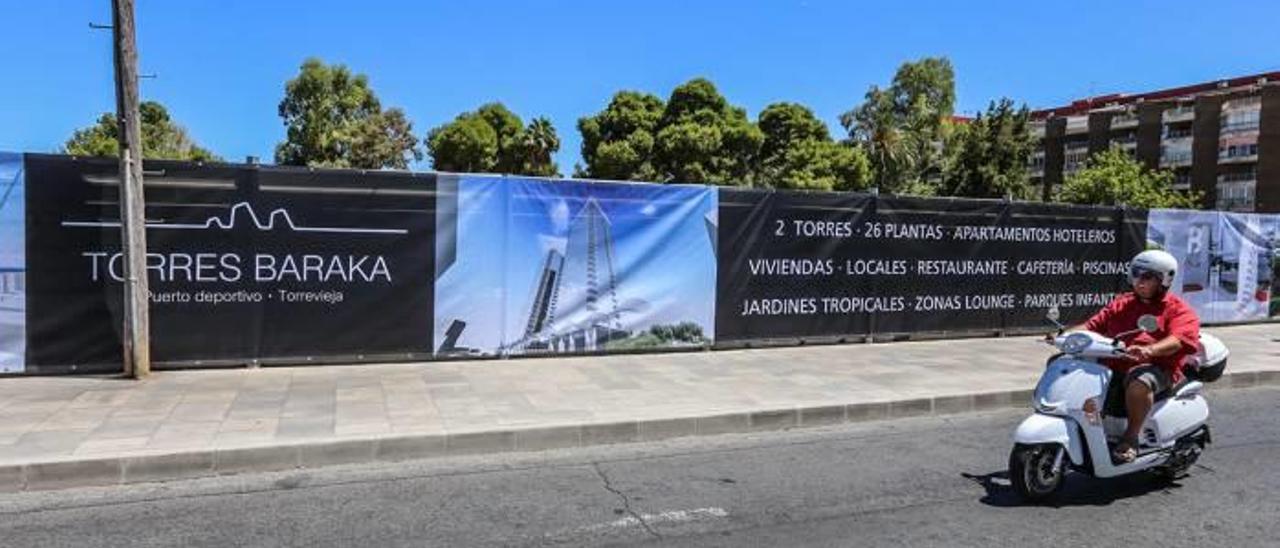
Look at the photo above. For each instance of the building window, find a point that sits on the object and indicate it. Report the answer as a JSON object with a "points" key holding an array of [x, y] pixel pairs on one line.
{"points": [[1236, 196], [1076, 154], [1036, 163], [1174, 155], [1241, 120], [1243, 150]]}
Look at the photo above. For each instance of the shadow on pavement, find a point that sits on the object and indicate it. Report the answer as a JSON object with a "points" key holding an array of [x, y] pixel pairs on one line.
{"points": [[1080, 490]]}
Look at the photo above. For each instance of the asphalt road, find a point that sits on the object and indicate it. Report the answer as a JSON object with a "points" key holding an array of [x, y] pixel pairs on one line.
{"points": [[916, 482]]}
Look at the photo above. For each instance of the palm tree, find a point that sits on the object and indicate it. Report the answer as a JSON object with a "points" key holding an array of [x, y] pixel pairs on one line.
{"points": [[891, 148], [540, 142]]}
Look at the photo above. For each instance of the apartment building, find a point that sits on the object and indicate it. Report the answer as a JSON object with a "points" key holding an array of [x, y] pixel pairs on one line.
{"points": [[1221, 138]]}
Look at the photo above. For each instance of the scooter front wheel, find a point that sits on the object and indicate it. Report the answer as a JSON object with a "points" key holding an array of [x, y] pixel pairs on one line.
{"points": [[1037, 471]]}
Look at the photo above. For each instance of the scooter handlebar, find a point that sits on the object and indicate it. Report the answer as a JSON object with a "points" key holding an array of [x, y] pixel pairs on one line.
{"points": [[1089, 344]]}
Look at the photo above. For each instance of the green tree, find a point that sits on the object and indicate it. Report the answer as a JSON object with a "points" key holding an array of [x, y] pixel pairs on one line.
{"points": [[988, 156], [492, 139], [1113, 177], [928, 87], [696, 136], [162, 138], [688, 332], [703, 139], [385, 140], [618, 142], [902, 126], [797, 152], [468, 144], [333, 119], [507, 127]]}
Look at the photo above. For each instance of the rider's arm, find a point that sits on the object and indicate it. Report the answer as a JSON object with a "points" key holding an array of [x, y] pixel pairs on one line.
{"points": [[1167, 346]]}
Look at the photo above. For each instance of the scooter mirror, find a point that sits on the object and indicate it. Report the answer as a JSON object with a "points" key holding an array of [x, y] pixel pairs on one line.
{"points": [[1053, 314], [1148, 323]]}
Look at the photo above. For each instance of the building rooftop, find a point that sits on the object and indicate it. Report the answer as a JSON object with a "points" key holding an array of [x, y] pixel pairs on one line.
{"points": [[1082, 106]]}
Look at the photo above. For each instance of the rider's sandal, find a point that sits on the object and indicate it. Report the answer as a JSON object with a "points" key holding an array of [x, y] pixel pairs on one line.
{"points": [[1126, 451]]}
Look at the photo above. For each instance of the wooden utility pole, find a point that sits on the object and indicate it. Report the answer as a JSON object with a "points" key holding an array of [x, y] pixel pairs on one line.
{"points": [[133, 233]]}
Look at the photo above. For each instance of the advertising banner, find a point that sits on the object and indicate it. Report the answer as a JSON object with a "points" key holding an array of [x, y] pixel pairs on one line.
{"points": [[244, 263], [535, 266], [796, 265], [256, 264], [13, 266], [1228, 261]]}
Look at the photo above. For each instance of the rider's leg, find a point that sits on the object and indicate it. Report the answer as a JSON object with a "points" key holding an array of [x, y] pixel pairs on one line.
{"points": [[1139, 398]]}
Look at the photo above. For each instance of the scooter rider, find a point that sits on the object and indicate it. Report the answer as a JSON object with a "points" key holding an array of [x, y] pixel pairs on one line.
{"points": [[1153, 363]]}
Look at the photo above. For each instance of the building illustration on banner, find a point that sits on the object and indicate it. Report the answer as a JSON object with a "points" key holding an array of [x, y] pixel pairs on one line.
{"points": [[13, 268], [575, 267], [1229, 261], [585, 281]]}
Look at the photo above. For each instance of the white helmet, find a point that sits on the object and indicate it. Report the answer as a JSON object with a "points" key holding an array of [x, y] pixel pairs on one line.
{"points": [[1156, 261]]}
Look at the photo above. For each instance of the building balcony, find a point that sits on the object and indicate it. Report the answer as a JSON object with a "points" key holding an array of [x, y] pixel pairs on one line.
{"points": [[1124, 121], [1236, 195], [1238, 159], [1077, 125], [1175, 160], [1125, 142], [1179, 114], [1035, 164], [1176, 134], [1239, 205], [1243, 127], [1253, 102], [1245, 178]]}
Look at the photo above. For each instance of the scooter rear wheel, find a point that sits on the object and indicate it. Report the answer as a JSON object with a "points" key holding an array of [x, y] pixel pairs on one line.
{"points": [[1035, 471]]}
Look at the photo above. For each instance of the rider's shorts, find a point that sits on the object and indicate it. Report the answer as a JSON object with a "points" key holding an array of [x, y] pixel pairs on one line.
{"points": [[1151, 375], [1154, 376]]}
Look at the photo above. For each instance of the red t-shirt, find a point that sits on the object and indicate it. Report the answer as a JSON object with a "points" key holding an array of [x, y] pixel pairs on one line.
{"points": [[1175, 317]]}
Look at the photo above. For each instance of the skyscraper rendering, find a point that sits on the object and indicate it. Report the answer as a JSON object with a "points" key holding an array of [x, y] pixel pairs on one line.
{"points": [[541, 308], [575, 303]]}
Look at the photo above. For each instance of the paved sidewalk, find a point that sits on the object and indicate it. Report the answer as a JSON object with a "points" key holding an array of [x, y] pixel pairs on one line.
{"points": [[74, 431]]}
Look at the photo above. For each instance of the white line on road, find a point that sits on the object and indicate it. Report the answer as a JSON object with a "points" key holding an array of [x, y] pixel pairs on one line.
{"points": [[670, 516]]}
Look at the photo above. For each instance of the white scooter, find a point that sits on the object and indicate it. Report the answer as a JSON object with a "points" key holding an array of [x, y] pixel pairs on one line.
{"points": [[1071, 426]]}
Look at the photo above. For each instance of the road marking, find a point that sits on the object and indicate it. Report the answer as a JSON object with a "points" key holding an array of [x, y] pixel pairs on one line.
{"points": [[670, 516]]}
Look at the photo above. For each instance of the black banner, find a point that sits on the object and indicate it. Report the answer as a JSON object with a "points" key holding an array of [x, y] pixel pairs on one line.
{"points": [[264, 264], [244, 263], [837, 266]]}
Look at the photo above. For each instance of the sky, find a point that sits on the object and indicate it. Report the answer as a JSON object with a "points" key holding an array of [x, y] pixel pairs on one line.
{"points": [[221, 65]]}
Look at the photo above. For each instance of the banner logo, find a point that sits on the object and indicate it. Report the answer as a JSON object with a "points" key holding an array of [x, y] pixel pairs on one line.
{"points": [[230, 222]]}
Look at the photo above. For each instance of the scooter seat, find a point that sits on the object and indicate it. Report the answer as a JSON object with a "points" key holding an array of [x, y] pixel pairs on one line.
{"points": [[1187, 388], [1115, 399]]}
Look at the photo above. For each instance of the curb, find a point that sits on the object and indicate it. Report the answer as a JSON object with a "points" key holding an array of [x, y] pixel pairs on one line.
{"points": [[124, 470]]}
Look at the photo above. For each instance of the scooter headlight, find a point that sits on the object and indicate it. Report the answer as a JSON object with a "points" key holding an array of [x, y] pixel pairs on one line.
{"points": [[1076, 343]]}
